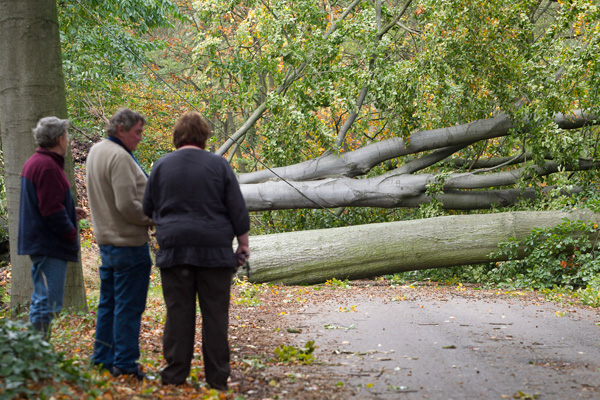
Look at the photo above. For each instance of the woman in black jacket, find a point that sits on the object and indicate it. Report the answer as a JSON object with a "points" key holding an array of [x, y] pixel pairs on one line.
{"points": [[195, 201]]}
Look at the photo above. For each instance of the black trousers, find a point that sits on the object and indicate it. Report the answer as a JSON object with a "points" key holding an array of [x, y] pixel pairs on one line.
{"points": [[180, 286]]}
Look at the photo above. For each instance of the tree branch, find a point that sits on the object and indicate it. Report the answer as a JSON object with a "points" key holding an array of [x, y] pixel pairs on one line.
{"points": [[425, 161], [360, 161]]}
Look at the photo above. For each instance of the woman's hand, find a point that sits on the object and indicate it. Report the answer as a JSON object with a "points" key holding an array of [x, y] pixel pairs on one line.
{"points": [[242, 256], [243, 250]]}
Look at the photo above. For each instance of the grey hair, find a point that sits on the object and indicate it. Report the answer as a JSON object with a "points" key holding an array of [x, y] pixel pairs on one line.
{"points": [[48, 130], [125, 117]]}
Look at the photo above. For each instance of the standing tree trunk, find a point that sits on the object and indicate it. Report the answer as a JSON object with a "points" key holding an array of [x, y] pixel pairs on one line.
{"points": [[31, 87]]}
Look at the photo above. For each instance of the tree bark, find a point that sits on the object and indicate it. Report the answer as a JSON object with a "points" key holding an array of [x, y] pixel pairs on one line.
{"points": [[387, 191], [360, 161], [31, 87], [366, 251]]}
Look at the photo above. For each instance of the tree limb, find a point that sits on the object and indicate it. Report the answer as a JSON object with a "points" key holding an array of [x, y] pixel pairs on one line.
{"points": [[360, 161], [425, 161]]}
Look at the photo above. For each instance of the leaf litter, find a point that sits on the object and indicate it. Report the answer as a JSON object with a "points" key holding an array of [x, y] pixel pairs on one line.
{"points": [[263, 318]]}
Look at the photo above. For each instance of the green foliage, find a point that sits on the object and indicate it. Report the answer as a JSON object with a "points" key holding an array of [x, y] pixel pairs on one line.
{"points": [[565, 255], [84, 224], [304, 63], [590, 295], [431, 209], [449, 275], [291, 354], [248, 294], [104, 39], [296, 220], [104, 46], [29, 367], [4, 298], [336, 283]]}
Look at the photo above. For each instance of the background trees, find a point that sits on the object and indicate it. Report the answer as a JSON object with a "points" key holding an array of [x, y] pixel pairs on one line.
{"points": [[486, 93], [350, 112], [32, 86]]}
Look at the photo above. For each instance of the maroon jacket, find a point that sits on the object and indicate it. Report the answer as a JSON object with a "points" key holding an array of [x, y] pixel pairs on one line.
{"points": [[47, 217]]}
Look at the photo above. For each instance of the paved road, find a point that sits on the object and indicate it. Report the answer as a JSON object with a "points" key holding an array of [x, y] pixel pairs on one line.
{"points": [[455, 347]]}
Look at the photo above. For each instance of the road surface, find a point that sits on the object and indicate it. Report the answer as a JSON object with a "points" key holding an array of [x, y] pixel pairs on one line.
{"points": [[405, 345]]}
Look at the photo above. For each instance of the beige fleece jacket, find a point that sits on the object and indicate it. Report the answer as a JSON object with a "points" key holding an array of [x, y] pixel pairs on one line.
{"points": [[115, 186]]}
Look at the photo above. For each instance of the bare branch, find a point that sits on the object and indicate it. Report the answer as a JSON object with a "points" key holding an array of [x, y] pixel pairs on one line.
{"points": [[490, 162], [352, 117], [426, 161], [395, 22], [360, 161]]}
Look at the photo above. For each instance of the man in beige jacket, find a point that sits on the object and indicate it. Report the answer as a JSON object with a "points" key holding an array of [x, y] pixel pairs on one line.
{"points": [[115, 185]]}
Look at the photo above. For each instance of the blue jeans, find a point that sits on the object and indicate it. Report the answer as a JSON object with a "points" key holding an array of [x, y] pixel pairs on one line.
{"points": [[48, 275], [124, 279]]}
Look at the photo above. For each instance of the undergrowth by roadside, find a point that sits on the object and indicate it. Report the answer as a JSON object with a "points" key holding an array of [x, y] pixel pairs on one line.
{"points": [[31, 368], [62, 366], [562, 262]]}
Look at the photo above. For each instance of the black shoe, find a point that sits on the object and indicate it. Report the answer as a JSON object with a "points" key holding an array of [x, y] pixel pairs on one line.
{"points": [[167, 383], [43, 328], [139, 375], [223, 388]]}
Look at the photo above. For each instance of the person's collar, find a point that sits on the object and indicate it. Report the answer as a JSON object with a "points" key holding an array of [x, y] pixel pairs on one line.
{"points": [[119, 142], [55, 156], [190, 146]]}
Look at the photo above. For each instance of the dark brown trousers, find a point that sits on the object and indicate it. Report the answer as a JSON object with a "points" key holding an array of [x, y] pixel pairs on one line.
{"points": [[180, 286]]}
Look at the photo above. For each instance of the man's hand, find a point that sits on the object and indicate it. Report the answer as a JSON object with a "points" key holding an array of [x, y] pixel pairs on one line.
{"points": [[81, 213]]}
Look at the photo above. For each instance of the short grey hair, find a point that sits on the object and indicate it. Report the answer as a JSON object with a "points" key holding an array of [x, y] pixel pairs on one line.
{"points": [[126, 117], [48, 130]]}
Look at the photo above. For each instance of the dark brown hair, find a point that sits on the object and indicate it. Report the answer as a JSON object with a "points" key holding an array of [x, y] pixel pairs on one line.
{"points": [[126, 117], [191, 129]]}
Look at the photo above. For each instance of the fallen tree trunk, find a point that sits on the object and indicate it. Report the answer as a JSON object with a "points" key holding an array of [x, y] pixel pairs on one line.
{"points": [[365, 251]]}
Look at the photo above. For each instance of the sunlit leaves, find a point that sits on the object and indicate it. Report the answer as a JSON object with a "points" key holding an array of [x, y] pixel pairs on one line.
{"points": [[102, 43], [433, 64]]}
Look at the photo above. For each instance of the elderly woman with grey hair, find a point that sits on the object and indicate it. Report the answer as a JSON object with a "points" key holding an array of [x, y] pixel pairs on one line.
{"points": [[48, 221]]}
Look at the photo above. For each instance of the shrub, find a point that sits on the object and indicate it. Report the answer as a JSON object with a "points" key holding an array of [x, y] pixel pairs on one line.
{"points": [[565, 255], [29, 367]]}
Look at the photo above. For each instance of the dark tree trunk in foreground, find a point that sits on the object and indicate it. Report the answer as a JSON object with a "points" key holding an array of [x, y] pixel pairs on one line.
{"points": [[366, 251]]}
